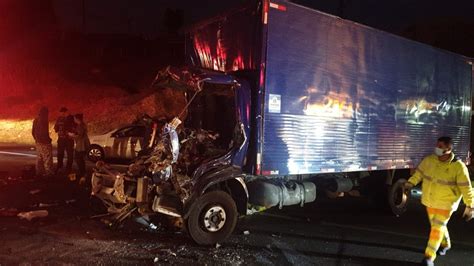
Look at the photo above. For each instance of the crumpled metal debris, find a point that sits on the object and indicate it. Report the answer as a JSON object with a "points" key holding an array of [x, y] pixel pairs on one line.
{"points": [[165, 171], [33, 214]]}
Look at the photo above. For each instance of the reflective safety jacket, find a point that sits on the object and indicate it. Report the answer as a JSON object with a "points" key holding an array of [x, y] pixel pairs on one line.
{"points": [[444, 183]]}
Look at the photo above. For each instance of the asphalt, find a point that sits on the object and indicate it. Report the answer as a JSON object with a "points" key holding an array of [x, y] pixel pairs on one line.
{"points": [[344, 231]]}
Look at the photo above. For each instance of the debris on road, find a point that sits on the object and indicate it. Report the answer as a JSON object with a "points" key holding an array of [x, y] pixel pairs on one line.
{"points": [[246, 232], [33, 214], [46, 205], [168, 251], [35, 191], [70, 201], [8, 212], [218, 245]]}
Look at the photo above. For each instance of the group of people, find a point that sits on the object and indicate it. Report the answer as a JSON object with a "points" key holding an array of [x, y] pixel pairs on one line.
{"points": [[72, 141]]}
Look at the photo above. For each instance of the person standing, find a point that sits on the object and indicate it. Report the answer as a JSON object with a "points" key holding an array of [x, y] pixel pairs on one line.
{"points": [[44, 149], [82, 144], [445, 180], [65, 125]]}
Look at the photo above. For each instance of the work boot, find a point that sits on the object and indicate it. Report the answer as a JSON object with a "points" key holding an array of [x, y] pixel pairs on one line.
{"points": [[427, 262], [442, 250]]}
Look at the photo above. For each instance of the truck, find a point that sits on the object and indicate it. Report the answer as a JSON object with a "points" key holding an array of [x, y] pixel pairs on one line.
{"points": [[285, 103]]}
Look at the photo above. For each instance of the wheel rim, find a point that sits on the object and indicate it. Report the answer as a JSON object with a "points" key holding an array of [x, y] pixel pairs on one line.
{"points": [[214, 218], [95, 153], [400, 196]]}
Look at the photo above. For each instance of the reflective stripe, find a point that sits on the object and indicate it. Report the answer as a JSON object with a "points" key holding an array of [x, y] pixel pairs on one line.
{"points": [[447, 183], [435, 234], [421, 172], [438, 222], [440, 181], [445, 213], [424, 176], [432, 248], [464, 184]]}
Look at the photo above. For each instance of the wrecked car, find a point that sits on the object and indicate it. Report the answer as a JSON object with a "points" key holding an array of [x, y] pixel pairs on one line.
{"points": [[278, 110], [122, 143]]}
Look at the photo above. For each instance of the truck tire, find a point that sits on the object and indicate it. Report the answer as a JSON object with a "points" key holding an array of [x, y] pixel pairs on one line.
{"points": [[212, 218], [398, 197]]}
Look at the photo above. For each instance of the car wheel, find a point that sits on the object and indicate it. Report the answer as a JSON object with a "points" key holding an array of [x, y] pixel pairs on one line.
{"points": [[95, 153], [212, 218]]}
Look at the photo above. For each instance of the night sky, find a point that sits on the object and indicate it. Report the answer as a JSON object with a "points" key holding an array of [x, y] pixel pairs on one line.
{"points": [[145, 16]]}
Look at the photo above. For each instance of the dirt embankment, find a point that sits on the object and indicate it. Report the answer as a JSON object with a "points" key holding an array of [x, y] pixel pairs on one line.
{"points": [[103, 114]]}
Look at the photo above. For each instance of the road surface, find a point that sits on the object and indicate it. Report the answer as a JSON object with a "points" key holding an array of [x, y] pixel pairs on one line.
{"points": [[345, 231]]}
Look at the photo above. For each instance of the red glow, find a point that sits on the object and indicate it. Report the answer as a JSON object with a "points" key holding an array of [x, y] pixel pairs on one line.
{"points": [[219, 59], [204, 52], [266, 4], [238, 63], [262, 75], [277, 6]]}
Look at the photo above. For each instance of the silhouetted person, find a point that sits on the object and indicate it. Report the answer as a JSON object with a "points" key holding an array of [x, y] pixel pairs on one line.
{"points": [[82, 145], [44, 149], [65, 125]]}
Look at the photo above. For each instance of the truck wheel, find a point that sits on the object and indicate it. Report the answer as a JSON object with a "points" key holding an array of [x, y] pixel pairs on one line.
{"points": [[212, 218], [398, 197]]}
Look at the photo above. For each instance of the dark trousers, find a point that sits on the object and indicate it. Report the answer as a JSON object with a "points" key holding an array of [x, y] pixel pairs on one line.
{"points": [[81, 163], [65, 145]]}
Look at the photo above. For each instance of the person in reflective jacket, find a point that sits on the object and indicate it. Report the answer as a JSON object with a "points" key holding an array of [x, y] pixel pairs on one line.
{"points": [[445, 180]]}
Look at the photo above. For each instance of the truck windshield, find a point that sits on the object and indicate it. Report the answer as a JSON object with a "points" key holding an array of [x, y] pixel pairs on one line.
{"points": [[214, 110]]}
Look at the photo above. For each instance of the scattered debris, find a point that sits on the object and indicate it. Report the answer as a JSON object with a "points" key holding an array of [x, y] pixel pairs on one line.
{"points": [[155, 260], [46, 205], [170, 252], [35, 191], [218, 245], [15, 179], [145, 222], [70, 201], [8, 212], [354, 193], [100, 215], [246, 232], [33, 214]]}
